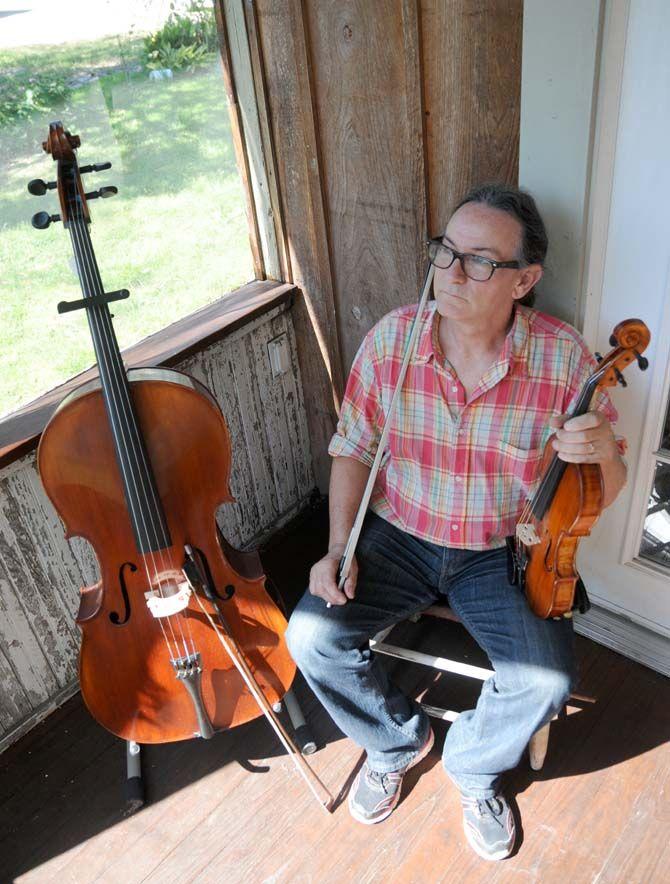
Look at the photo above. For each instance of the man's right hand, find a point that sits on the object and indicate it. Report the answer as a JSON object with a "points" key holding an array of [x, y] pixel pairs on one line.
{"points": [[323, 579]]}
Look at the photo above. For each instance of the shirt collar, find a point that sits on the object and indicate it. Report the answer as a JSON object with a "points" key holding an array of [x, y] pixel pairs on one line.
{"points": [[515, 349]]}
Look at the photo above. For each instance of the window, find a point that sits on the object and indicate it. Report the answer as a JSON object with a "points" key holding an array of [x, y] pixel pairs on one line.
{"points": [[655, 544], [140, 82]]}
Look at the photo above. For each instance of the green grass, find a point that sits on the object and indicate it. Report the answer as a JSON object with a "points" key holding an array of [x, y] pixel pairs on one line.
{"points": [[176, 234]]}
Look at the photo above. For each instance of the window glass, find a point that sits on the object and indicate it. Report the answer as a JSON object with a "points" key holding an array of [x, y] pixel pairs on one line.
{"points": [[656, 533], [140, 82], [665, 433]]}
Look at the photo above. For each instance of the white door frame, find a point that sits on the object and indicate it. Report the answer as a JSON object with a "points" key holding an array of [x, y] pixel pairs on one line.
{"points": [[654, 389]]}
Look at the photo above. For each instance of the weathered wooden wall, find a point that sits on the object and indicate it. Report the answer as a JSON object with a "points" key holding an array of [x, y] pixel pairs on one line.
{"points": [[383, 114], [40, 572]]}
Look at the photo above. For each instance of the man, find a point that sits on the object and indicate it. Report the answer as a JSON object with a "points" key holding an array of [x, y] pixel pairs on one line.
{"points": [[489, 382]]}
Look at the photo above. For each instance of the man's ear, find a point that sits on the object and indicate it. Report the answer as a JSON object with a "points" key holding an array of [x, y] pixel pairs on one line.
{"points": [[528, 277]]}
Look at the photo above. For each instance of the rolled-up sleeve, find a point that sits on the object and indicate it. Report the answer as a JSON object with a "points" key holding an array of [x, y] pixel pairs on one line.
{"points": [[359, 427]]}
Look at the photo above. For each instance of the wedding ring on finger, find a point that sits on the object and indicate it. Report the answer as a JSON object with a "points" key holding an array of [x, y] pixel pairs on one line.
{"points": [[592, 448]]}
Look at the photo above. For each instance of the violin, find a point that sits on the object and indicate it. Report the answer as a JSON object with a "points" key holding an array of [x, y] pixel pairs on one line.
{"points": [[569, 497], [179, 636]]}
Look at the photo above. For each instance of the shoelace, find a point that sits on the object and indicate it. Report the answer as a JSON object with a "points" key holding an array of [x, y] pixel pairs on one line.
{"points": [[381, 780], [486, 807]]}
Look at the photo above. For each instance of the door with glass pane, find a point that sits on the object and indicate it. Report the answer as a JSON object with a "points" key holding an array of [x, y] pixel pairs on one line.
{"points": [[626, 561]]}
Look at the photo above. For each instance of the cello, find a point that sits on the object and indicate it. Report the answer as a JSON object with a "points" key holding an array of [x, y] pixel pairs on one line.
{"points": [[568, 499], [179, 636]]}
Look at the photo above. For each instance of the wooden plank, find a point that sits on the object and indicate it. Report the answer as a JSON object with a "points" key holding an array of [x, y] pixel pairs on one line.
{"points": [[14, 704], [472, 89], [32, 623], [254, 431], [238, 520], [270, 392], [294, 412], [367, 93], [287, 64]]}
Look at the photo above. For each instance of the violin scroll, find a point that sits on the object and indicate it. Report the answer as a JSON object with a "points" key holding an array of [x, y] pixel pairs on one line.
{"points": [[629, 340]]}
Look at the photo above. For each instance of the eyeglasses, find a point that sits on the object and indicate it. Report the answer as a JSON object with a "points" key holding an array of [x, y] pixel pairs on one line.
{"points": [[474, 266]]}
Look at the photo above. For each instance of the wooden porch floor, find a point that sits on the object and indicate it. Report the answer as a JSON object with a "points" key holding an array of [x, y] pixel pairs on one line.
{"points": [[234, 810]]}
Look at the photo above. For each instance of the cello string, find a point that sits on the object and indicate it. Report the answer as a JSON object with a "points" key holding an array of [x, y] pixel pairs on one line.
{"points": [[85, 265], [106, 345], [88, 270], [106, 334]]}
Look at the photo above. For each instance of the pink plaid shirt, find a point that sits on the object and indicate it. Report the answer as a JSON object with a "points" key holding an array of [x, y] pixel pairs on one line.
{"points": [[458, 473]]}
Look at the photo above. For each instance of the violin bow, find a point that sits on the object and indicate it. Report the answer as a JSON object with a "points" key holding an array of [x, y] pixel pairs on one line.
{"points": [[345, 562]]}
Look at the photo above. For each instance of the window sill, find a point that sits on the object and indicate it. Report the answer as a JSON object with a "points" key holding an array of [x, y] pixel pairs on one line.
{"points": [[20, 431]]}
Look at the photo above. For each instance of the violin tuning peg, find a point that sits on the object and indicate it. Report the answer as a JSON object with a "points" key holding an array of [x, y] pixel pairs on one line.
{"points": [[598, 356], [104, 192], [642, 361], [43, 219], [95, 167], [613, 341], [620, 377], [38, 187]]}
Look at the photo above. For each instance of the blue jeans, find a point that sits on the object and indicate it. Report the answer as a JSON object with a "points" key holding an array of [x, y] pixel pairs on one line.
{"points": [[533, 659]]}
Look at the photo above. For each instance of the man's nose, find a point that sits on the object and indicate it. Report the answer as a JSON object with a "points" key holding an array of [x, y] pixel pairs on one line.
{"points": [[456, 272]]}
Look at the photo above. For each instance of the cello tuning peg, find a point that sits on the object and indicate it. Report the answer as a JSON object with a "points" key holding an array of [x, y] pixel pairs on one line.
{"points": [[642, 361], [104, 192], [620, 377], [43, 219], [38, 187], [598, 356], [96, 167]]}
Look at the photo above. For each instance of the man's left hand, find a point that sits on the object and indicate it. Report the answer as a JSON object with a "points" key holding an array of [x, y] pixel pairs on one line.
{"points": [[584, 439]]}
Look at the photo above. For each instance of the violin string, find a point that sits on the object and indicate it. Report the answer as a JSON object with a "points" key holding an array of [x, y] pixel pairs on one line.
{"points": [[107, 339], [86, 268]]}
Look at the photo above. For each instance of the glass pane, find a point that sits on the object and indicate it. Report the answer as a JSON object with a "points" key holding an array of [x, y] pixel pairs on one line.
{"points": [[140, 82], [656, 533], [665, 436]]}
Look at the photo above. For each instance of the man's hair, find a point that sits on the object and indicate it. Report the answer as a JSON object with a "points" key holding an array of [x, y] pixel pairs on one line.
{"points": [[520, 205]]}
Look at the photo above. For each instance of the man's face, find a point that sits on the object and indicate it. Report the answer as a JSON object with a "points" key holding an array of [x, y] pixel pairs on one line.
{"points": [[480, 230]]}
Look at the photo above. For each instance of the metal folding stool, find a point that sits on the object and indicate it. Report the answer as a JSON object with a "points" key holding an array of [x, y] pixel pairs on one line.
{"points": [[537, 747]]}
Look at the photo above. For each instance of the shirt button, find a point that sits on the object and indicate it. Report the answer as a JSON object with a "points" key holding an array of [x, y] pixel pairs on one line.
{"points": [[459, 478], [454, 389], [454, 527]]}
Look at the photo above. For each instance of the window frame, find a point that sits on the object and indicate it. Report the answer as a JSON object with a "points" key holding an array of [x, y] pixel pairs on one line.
{"points": [[244, 82]]}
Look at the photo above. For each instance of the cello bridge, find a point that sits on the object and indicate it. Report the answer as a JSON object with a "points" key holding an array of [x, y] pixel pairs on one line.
{"points": [[526, 533], [163, 605]]}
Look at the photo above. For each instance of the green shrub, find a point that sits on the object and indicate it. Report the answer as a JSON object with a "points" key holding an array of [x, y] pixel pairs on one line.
{"points": [[24, 91], [186, 39]]}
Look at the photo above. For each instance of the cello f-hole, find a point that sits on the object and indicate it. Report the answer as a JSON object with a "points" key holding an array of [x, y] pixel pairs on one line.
{"points": [[114, 617]]}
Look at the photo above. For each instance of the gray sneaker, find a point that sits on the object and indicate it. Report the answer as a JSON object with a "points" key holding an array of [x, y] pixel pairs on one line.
{"points": [[374, 795], [489, 826]]}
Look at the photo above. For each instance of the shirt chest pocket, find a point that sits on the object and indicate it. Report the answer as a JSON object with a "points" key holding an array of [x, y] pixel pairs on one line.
{"points": [[519, 464]]}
